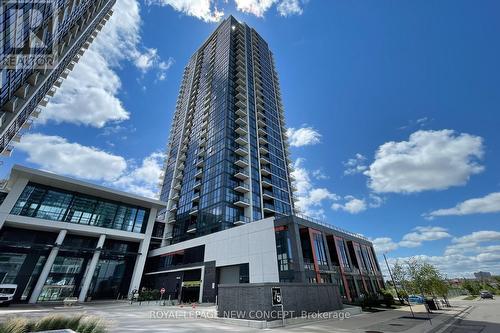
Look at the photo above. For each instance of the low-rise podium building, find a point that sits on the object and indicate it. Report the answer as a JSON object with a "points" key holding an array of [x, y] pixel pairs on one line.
{"points": [[62, 238]]}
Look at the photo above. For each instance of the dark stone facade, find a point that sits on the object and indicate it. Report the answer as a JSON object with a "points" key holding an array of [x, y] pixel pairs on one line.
{"points": [[254, 301]]}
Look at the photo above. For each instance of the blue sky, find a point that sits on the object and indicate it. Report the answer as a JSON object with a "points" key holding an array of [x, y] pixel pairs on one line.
{"points": [[393, 110]]}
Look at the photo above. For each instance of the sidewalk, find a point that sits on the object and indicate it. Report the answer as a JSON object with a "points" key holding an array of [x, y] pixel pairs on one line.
{"points": [[396, 320]]}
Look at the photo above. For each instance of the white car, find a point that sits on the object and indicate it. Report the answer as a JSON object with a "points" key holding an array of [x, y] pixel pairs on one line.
{"points": [[7, 292]]}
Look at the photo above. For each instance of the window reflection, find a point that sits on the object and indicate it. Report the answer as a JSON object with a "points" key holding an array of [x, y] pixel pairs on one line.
{"points": [[54, 204]]}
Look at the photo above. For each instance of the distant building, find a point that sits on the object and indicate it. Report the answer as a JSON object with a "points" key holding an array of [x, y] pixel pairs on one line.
{"points": [[482, 275]]}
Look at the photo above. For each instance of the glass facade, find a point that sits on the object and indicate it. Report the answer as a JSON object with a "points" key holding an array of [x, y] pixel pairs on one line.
{"points": [[23, 255], [49, 203], [227, 159]]}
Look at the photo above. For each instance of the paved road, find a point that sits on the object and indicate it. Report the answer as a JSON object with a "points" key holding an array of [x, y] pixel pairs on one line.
{"points": [[484, 317]]}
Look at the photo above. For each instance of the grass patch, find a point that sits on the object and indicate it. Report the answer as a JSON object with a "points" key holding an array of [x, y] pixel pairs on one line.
{"points": [[470, 298], [78, 324]]}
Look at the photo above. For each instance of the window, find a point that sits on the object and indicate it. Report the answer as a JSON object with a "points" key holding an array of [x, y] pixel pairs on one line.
{"points": [[49, 203]]}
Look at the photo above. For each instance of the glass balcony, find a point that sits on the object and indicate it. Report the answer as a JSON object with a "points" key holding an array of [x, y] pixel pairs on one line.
{"points": [[242, 112], [239, 220], [241, 130], [265, 170], [242, 202], [264, 160], [242, 151], [269, 208], [173, 208], [266, 182], [240, 104], [241, 122], [197, 185], [242, 188], [241, 141], [191, 229], [267, 194], [242, 175], [242, 162], [194, 210]]}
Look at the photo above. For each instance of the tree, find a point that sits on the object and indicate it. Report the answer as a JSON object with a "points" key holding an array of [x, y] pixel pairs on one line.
{"points": [[419, 277]]}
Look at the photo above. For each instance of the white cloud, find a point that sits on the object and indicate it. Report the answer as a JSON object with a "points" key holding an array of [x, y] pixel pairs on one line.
{"points": [[355, 165], [352, 205], [89, 96], [260, 7], [144, 179], [201, 9], [56, 154], [384, 244], [255, 7], [309, 199], [423, 234], [290, 7], [478, 237], [486, 204], [375, 201], [429, 160], [478, 251], [320, 175], [304, 136]]}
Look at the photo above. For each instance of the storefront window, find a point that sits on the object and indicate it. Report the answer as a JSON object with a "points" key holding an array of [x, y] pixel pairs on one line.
{"points": [[62, 280], [10, 264], [34, 277]]}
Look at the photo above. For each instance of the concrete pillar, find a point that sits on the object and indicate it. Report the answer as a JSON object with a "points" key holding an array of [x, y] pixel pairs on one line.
{"points": [[91, 269], [143, 253], [46, 268], [11, 199], [200, 298], [297, 250]]}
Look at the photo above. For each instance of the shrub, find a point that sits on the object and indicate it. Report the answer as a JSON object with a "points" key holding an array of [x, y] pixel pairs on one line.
{"points": [[388, 299], [91, 325], [16, 325], [369, 300], [54, 322]]}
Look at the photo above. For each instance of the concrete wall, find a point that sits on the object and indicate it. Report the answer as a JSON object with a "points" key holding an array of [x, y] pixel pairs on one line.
{"points": [[254, 301], [253, 243]]}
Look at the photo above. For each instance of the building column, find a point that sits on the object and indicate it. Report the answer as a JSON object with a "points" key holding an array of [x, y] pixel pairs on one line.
{"points": [[11, 199], [91, 269], [135, 281], [297, 250], [46, 268]]}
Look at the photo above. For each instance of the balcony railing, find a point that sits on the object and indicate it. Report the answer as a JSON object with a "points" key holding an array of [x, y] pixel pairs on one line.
{"points": [[330, 226]]}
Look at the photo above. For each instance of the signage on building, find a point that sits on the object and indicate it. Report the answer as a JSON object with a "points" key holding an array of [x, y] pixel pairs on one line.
{"points": [[277, 299]]}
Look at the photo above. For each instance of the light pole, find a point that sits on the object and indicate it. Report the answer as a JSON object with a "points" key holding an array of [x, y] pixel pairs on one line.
{"points": [[396, 288]]}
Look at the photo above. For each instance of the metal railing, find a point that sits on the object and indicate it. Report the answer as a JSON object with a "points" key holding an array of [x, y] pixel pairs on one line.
{"points": [[328, 225]]}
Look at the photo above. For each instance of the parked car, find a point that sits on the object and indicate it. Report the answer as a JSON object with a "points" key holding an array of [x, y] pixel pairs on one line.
{"points": [[416, 299], [7, 292], [485, 294]]}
